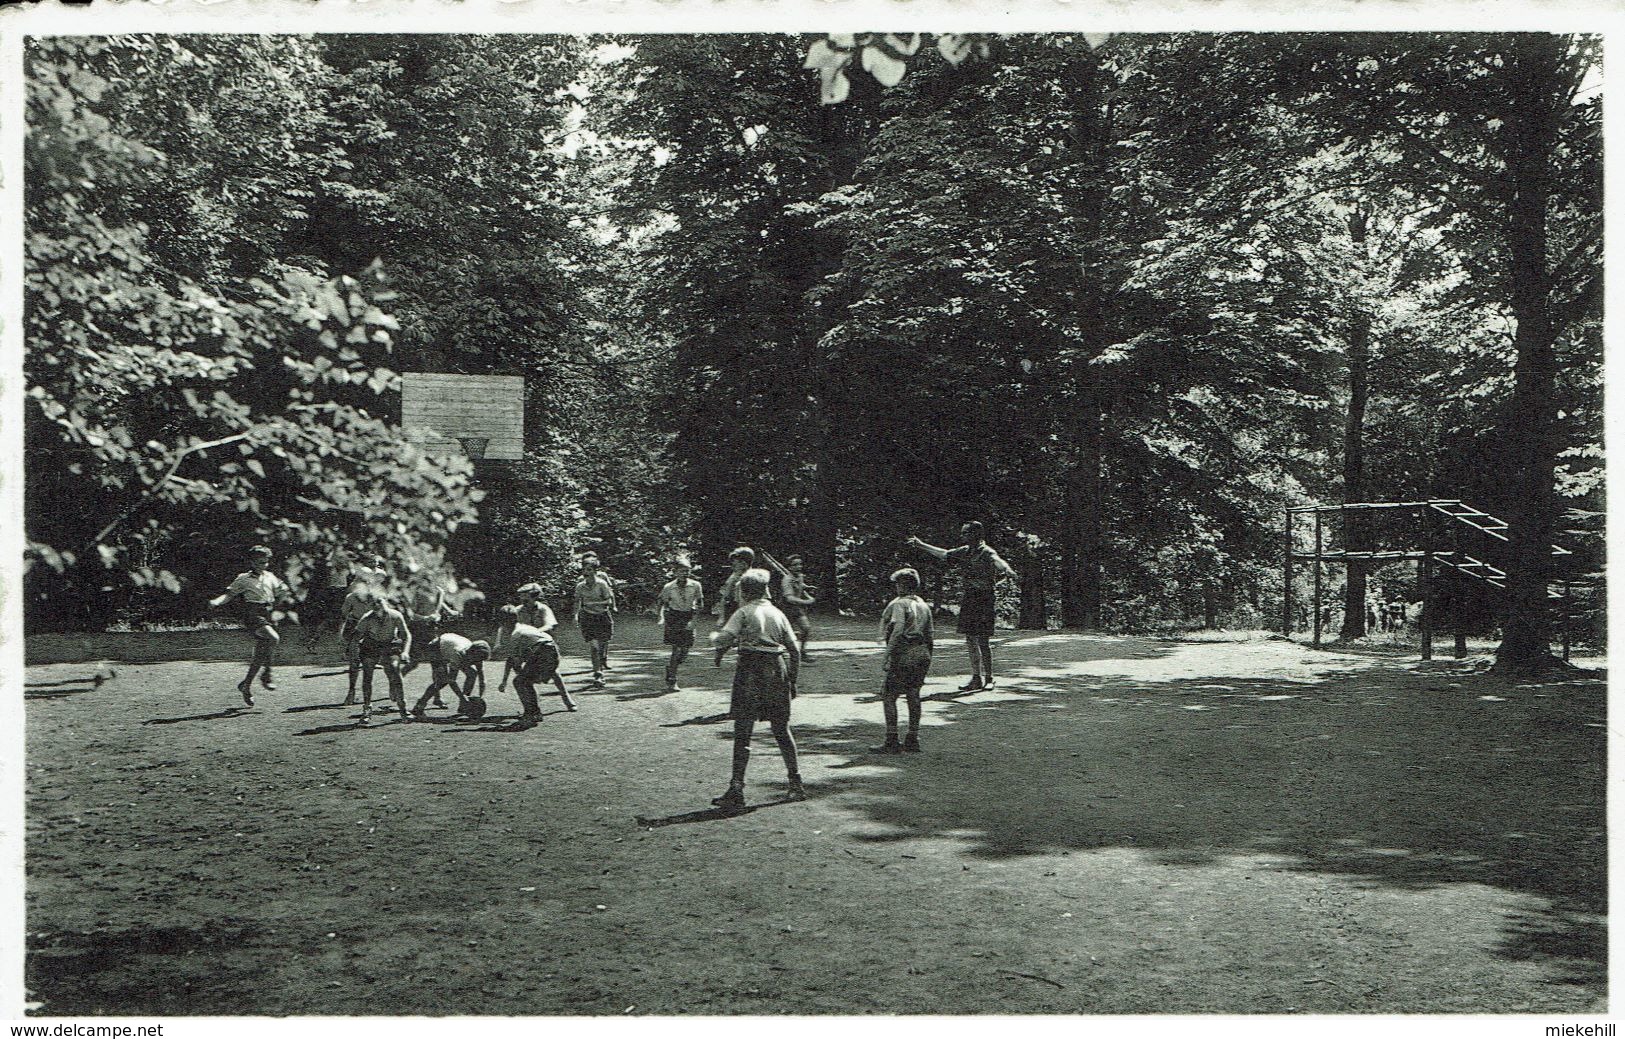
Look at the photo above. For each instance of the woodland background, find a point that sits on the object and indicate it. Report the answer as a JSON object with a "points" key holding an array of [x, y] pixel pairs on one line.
{"points": [[1124, 300]]}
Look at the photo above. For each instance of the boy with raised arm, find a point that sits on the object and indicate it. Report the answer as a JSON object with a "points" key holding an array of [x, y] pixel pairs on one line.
{"points": [[764, 682], [979, 571], [260, 592], [797, 601], [905, 628], [680, 600]]}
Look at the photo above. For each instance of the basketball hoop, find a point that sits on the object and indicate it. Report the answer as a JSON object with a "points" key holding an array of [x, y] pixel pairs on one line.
{"points": [[474, 447]]}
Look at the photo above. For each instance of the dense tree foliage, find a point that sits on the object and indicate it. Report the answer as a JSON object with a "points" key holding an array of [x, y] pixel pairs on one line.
{"points": [[1123, 299]]}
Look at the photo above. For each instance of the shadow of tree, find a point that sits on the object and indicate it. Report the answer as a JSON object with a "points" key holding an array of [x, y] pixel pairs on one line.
{"points": [[1405, 778]]}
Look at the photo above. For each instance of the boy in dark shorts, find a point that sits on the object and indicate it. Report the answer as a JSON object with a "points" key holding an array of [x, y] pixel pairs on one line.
{"points": [[728, 600], [260, 592], [455, 655], [383, 640], [357, 604], [680, 600], [905, 628], [595, 615], [533, 657], [979, 570], [764, 682], [796, 601]]}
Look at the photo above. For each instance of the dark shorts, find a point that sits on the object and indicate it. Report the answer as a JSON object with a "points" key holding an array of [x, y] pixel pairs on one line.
{"points": [[377, 651], [256, 617], [797, 616], [761, 690], [425, 639], [596, 627], [679, 629], [976, 612], [541, 664], [909, 663]]}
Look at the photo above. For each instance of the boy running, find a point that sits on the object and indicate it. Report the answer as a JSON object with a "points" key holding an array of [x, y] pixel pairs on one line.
{"points": [[533, 657], [905, 628], [728, 599], [383, 639], [764, 682], [260, 591], [797, 601], [594, 614], [453, 655], [979, 570], [679, 601]]}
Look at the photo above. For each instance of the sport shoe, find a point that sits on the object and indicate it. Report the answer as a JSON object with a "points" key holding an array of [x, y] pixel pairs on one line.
{"points": [[889, 747], [911, 744], [420, 714], [366, 718], [734, 798], [974, 685], [265, 680], [795, 791], [247, 691]]}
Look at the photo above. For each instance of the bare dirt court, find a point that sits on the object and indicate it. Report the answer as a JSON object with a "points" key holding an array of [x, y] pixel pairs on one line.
{"points": [[1124, 826]]}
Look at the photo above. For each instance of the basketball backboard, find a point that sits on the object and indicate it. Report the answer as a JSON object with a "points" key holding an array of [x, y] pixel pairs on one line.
{"points": [[481, 415]]}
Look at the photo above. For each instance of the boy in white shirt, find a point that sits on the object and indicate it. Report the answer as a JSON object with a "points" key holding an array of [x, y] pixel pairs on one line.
{"points": [[453, 655], [679, 601], [905, 628], [533, 657], [260, 592], [764, 682]]}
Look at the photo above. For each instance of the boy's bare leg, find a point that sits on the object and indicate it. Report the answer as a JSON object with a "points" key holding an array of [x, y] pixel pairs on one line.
{"points": [[678, 655], [888, 703], [984, 647], [735, 797], [353, 659], [912, 741], [366, 691], [397, 687], [975, 652], [264, 652], [564, 694], [531, 709], [787, 748]]}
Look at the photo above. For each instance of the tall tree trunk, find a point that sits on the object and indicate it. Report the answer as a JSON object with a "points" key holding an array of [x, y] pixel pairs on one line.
{"points": [[1081, 538], [823, 522], [1034, 607], [1355, 530], [1529, 136]]}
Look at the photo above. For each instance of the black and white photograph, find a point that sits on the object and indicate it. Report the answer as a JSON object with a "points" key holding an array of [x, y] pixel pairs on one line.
{"points": [[605, 524]]}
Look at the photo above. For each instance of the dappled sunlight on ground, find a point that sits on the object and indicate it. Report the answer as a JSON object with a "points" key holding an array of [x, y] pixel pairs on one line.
{"points": [[1120, 825]]}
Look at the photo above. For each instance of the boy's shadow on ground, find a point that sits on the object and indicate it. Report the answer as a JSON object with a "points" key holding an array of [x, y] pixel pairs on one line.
{"points": [[704, 719], [503, 723], [229, 712], [706, 815]]}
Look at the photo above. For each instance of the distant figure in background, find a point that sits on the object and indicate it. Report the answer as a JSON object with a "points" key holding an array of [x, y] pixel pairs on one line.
{"points": [[679, 601], [324, 602], [533, 609], [260, 591], [728, 600], [595, 615], [426, 613], [979, 571], [764, 682], [797, 602], [905, 628]]}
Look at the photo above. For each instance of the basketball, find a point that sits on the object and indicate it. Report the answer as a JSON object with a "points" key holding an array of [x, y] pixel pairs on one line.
{"points": [[474, 707]]}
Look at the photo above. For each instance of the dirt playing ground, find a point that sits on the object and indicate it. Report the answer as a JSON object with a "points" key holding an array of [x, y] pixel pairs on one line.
{"points": [[1124, 826]]}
